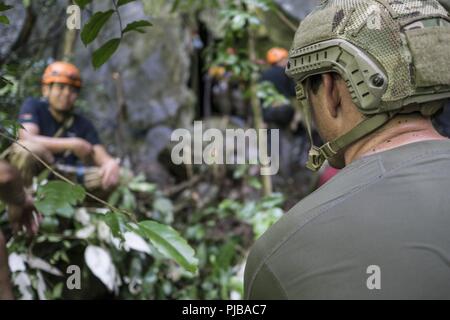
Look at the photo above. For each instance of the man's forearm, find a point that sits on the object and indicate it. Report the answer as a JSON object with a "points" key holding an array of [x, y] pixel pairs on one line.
{"points": [[54, 145], [101, 156]]}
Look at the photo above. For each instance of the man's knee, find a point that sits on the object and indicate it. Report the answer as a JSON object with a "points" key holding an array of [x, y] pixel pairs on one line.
{"points": [[25, 159], [21, 154]]}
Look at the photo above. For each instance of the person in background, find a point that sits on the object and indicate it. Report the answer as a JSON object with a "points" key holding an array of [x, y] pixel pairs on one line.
{"points": [[53, 130], [278, 116]]}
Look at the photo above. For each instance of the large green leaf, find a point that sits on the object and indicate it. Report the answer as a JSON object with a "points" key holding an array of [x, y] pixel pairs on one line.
{"points": [[169, 243], [137, 25], [83, 3], [101, 55], [58, 197], [95, 24], [123, 2], [4, 20], [116, 222], [4, 7]]}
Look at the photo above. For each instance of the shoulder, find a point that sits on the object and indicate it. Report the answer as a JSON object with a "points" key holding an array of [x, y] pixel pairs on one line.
{"points": [[34, 104], [268, 72], [34, 111], [321, 205]]}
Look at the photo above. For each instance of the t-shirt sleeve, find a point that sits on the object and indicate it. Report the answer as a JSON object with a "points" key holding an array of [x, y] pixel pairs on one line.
{"points": [[29, 112], [90, 133], [265, 286]]}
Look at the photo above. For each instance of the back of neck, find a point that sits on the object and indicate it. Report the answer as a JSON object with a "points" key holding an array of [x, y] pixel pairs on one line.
{"points": [[401, 130]]}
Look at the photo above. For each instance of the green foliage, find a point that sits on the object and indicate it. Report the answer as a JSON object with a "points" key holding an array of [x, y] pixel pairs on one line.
{"points": [[117, 222], [92, 28], [57, 197], [270, 97], [237, 19], [4, 20], [168, 242], [138, 185], [3, 81], [4, 7], [137, 26], [101, 55], [9, 128], [124, 2], [220, 234], [82, 3], [64, 236], [261, 215], [193, 5]]}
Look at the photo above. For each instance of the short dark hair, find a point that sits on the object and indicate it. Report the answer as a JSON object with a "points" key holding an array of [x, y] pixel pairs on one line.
{"points": [[315, 82]]}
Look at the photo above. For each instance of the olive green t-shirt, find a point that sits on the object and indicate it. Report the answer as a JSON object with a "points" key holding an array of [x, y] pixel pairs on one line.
{"points": [[380, 229]]}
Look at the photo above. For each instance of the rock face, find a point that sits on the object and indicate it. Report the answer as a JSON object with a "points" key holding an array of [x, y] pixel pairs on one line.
{"points": [[9, 34], [42, 21]]}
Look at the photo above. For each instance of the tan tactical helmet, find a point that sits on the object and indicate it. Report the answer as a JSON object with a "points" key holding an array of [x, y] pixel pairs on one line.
{"points": [[394, 56]]}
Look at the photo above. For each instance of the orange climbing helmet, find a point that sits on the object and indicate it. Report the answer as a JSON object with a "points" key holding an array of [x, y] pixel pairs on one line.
{"points": [[62, 72], [275, 55]]}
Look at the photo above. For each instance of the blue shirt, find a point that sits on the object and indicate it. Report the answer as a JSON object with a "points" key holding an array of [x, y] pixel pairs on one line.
{"points": [[37, 111]]}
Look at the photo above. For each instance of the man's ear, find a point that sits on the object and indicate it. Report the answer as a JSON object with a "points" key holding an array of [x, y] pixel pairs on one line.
{"points": [[331, 97]]}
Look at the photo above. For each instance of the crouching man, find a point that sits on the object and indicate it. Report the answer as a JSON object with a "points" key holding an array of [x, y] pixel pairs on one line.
{"points": [[53, 131]]}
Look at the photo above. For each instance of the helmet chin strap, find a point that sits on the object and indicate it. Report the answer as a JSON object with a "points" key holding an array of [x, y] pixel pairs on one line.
{"points": [[331, 150]]}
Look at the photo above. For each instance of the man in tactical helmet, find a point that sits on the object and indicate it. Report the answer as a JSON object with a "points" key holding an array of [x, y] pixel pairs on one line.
{"points": [[53, 131], [372, 74]]}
